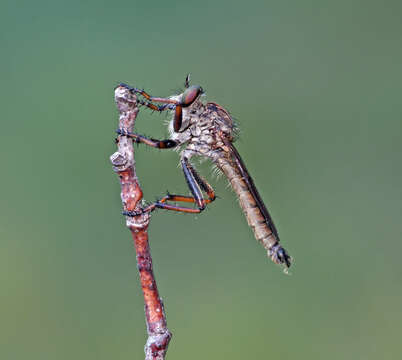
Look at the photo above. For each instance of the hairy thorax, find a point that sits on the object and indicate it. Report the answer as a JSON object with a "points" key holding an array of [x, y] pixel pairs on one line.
{"points": [[203, 129]]}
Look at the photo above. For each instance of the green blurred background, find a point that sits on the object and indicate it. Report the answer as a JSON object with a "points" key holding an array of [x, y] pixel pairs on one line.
{"points": [[316, 88]]}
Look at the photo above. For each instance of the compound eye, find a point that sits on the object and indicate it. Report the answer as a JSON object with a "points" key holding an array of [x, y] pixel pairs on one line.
{"points": [[190, 95]]}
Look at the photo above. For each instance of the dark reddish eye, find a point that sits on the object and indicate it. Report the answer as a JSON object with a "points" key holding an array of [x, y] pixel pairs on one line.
{"points": [[190, 95]]}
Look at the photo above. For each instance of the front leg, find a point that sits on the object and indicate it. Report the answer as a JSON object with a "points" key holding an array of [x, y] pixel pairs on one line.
{"points": [[154, 107], [149, 97], [159, 144]]}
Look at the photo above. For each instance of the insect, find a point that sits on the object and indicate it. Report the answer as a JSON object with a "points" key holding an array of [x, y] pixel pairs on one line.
{"points": [[207, 130]]}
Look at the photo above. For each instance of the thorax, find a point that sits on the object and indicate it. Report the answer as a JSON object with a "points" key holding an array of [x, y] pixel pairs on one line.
{"points": [[202, 130]]}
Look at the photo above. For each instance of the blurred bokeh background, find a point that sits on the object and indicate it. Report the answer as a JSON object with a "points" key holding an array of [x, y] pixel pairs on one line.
{"points": [[316, 89]]}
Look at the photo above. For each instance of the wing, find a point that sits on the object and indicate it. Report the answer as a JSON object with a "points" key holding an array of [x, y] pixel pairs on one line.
{"points": [[238, 162]]}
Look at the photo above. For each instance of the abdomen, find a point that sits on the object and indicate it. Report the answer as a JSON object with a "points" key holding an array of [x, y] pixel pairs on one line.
{"points": [[253, 207]]}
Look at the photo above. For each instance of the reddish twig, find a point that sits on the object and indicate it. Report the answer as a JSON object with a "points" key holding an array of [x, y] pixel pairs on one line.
{"points": [[131, 195]]}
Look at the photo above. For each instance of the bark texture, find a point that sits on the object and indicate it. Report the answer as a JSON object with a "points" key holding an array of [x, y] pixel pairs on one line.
{"points": [[131, 195]]}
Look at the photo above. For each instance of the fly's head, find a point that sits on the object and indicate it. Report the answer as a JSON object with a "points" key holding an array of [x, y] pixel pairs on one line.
{"points": [[191, 95], [187, 103]]}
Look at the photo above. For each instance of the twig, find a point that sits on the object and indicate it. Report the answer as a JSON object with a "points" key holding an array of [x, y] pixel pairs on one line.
{"points": [[131, 195]]}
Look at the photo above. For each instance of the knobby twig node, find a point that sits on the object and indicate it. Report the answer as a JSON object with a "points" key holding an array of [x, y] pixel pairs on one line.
{"points": [[123, 162]]}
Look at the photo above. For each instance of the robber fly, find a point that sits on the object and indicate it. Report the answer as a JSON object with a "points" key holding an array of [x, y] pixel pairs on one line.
{"points": [[208, 130]]}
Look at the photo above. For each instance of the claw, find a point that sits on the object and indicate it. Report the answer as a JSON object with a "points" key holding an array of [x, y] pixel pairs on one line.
{"points": [[128, 87], [123, 132], [133, 213]]}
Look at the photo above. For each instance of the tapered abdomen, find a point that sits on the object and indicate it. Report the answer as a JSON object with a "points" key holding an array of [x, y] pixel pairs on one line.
{"points": [[253, 207]]}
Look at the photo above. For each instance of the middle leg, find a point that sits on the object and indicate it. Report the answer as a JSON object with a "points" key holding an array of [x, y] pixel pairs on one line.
{"points": [[160, 144]]}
